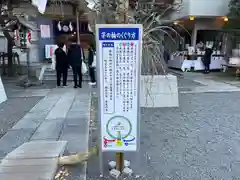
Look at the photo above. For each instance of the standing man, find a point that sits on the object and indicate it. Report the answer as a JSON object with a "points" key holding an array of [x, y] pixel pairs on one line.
{"points": [[76, 57], [61, 64], [91, 54], [207, 59]]}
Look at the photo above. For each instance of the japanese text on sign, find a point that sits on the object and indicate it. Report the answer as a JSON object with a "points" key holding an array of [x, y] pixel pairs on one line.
{"points": [[118, 34], [108, 77], [126, 84]]}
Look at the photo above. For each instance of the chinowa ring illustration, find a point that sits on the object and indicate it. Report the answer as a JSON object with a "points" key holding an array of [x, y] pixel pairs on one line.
{"points": [[119, 129]]}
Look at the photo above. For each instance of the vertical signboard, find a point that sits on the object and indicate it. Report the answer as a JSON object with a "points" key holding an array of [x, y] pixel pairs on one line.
{"points": [[119, 49]]}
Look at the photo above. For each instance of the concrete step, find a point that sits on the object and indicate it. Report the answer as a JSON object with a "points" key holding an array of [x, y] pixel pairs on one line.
{"points": [[32, 160], [50, 75], [70, 78]]}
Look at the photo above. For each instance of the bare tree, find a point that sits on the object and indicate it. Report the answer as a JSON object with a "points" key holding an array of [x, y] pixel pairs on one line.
{"points": [[143, 12]]}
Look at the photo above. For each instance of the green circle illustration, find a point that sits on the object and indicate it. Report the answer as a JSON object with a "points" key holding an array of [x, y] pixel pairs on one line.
{"points": [[119, 121]]}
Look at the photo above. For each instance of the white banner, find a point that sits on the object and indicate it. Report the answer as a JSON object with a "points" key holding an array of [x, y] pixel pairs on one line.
{"points": [[45, 31]]}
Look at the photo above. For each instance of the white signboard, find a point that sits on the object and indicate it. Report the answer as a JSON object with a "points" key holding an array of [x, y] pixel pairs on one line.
{"points": [[45, 31], [119, 60], [49, 50]]}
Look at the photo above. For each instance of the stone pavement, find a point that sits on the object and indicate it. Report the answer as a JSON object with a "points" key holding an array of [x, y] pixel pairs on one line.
{"points": [[197, 82], [12, 110], [208, 85], [62, 115], [35, 160], [192, 82]]}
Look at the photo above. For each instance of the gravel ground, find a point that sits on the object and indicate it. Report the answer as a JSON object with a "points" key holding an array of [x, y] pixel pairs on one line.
{"points": [[12, 110], [200, 140]]}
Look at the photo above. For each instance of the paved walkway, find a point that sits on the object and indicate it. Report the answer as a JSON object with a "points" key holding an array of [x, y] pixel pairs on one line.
{"points": [[209, 85], [190, 82], [62, 115]]}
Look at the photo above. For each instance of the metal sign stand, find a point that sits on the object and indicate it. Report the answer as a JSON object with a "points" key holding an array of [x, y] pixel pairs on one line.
{"points": [[119, 105]]}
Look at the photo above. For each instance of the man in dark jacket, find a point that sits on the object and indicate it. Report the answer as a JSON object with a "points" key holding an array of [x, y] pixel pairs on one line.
{"points": [[76, 56], [61, 65], [207, 59], [91, 54]]}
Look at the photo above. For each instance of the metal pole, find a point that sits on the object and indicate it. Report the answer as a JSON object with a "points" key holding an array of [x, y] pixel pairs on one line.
{"points": [[78, 33]]}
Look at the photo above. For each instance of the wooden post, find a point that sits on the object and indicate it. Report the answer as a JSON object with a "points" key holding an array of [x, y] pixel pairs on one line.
{"points": [[119, 155], [122, 13], [119, 161], [78, 33]]}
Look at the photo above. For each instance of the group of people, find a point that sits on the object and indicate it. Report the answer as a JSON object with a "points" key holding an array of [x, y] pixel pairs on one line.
{"points": [[73, 56]]}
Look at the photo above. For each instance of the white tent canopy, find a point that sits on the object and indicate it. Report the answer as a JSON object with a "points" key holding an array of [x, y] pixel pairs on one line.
{"points": [[40, 4]]}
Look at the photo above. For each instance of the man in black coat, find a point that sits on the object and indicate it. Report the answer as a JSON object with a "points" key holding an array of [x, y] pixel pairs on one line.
{"points": [[76, 56], [207, 59], [61, 65], [91, 54]]}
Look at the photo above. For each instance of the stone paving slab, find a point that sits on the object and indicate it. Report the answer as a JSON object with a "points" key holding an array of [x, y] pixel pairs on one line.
{"points": [[27, 123], [77, 114], [33, 93], [79, 121], [78, 105], [38, 149], [34, 169], [62, 106], [25, 161], [24, 177], [12, 139], [12, 110], [36, 115], [46, 104], [48, 130], [76, 136]]}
